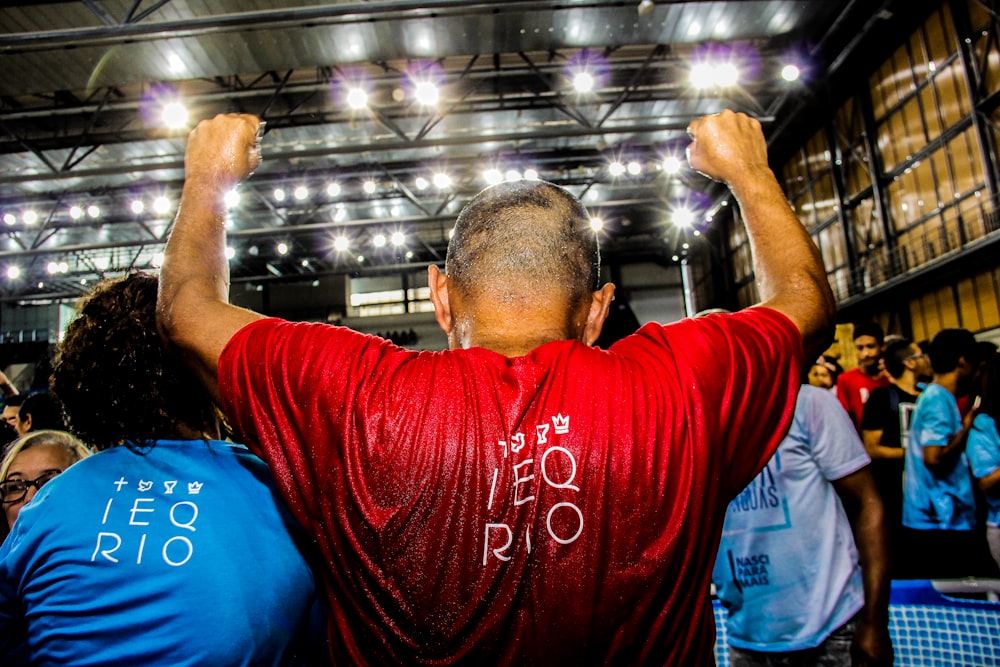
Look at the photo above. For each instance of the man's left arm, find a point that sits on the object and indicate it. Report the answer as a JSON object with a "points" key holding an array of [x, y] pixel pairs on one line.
{"points": [[193, 311], [863, 506]]}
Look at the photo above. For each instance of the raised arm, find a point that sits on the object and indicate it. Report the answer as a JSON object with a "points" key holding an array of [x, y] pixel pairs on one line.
{"points": [[730, 148], [193, 311]]}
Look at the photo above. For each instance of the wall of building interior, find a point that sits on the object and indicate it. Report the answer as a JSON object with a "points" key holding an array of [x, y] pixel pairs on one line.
{"points": [[902, 179]]}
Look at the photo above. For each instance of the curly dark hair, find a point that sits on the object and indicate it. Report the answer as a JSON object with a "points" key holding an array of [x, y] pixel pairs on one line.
{"points": [[116, 380]]}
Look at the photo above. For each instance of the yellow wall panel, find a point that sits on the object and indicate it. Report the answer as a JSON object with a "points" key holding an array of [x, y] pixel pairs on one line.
{"points": [[948, 308], [917, 320], [968, 306]]}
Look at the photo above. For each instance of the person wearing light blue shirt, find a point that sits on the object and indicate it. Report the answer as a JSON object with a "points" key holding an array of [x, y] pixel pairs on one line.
{"points": [[803, 566], [939, 506], [984, 451]]}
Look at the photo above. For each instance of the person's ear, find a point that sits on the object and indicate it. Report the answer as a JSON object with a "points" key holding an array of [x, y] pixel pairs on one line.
{"points": [[600, 306], [438, 284]]}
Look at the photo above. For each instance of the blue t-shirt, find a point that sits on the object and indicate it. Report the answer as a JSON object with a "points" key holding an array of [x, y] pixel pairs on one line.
{"points": [[942, 499], [983, 449], [180, 554], [787, 568]]}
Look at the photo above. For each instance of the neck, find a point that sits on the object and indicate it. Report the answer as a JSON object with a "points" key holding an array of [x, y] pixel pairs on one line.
{"points": [[907, 382], [948, 380], [515, 330]]}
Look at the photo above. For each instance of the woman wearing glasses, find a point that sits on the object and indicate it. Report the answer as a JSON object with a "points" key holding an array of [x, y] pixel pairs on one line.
{"points": [[29, 463]]}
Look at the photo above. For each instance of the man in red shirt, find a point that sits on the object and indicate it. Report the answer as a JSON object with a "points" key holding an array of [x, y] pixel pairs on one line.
{"points": [[856, 385], [522, 498]]}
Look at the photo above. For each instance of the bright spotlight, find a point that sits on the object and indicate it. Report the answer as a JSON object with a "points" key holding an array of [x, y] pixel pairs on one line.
{"points": [[29, 217], [161, 205], [513, 175], [426, 93], [63, 267], [230, 252], [397, 239], [702, 76], [357, 98], [421, 183], [300, 193], [13, 272], [583, 82], [279, 194], [616, 169], [282, 248], [231, 199], [369, 187], [94, 211], [492, 176], [340, 244], [634, 168], [442, 180], [332, 189], [790, 73], [53, 268], [379, 240], [672, 165], [682, 217], [530, 175], [726, 75], [75, 212], [137, 207], [596, 224], [174, 115], [157, 259], [102, 263]]}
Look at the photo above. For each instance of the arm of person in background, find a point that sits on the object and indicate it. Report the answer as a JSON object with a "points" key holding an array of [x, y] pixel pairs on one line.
{"points": [[730, 148], [6, 386], [943, 457], [857, 492], [873, 445], [874, 415], [193, 311]]}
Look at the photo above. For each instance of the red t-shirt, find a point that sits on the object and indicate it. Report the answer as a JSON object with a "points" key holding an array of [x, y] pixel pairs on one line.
{"points": [[560, 508], [853, 389]]}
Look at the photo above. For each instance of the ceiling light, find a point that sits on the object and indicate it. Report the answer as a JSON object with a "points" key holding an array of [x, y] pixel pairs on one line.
{"points": [[726, 75], [513, 175], [29, 217], [421, 183], [596, 224], [157, 259], [231, 199], [301, 192], [645, 7], [53, 268], [672, 165], [13, 272], [442, 180], [75, 212], [340, 244], [341, 213], [137, 207], [530, 174], [230, 252], [102, 263], [369, 187], [279, 194], [357, 98], [175, 63], [426, 93], [174, 115], [583, 82], [161, 205], [332, 189], [682, 217], [282, 248], [492, 176], [616, 169], [379, 240], [397, 239], [790, 73], [634, 168], [94, 211], [11, 219]]}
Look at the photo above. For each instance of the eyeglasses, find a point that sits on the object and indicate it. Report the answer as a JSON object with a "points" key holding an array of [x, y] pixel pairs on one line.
{"points": [[14, 490]]}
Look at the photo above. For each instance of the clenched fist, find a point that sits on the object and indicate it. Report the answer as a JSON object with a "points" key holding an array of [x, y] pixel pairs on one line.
{"points": [[223, 151], [727, 147]]}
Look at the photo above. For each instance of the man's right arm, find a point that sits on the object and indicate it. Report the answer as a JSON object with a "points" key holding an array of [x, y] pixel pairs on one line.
{"points": [[730, 148]]}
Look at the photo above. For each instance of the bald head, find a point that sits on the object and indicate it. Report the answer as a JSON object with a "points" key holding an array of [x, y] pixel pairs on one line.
{"points": [[519, 241]]}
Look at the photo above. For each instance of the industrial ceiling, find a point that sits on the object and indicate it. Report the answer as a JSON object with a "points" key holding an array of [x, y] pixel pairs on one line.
{"points": [[90, 177]]}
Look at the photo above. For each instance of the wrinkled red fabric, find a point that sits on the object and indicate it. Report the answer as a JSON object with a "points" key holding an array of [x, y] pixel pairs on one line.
{"points": [[561, 508]]}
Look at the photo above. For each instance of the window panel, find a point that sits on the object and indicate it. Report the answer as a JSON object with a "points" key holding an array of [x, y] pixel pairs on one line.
{"points": [[940, 43], [950, 95], [932, 117]]}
